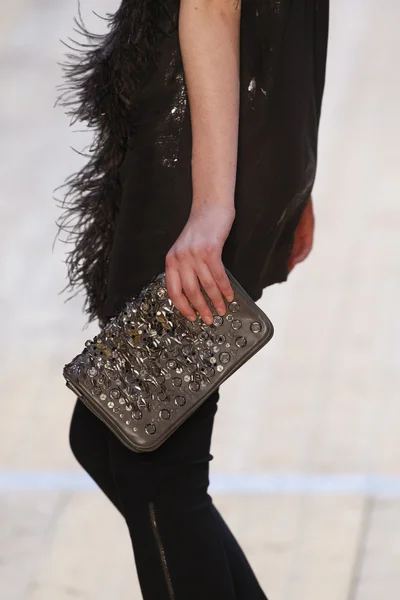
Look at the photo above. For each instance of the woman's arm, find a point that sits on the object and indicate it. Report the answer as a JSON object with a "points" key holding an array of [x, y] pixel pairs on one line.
{"points": [[209, 33]]}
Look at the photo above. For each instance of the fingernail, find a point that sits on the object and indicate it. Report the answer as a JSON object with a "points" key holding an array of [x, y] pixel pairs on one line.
{"points": [[221, 311], [191, 318], [208, 320]]}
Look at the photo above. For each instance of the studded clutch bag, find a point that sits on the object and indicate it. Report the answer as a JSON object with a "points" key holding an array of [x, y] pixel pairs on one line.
{"points": [[149, 368]]}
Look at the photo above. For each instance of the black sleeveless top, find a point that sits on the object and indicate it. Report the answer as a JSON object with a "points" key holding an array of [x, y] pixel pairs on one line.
{"points": [[132, 198]]}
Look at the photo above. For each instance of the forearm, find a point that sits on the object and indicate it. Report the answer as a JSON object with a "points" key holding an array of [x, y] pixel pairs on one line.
{"points": [[209, 33]]}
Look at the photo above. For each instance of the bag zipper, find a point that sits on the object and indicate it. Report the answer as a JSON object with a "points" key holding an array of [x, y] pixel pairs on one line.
{"points": [[161, 550]]}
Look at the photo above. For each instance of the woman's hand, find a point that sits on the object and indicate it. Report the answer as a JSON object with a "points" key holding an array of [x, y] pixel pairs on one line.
{"points": [[196, 258], [304, 236]]}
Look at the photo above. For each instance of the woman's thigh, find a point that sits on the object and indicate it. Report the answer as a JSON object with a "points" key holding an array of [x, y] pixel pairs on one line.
{"points": [[89, 440], [180, 465]]}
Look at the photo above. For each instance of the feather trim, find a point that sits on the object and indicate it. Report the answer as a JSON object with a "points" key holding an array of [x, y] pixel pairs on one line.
{"points": [[102, 76]]}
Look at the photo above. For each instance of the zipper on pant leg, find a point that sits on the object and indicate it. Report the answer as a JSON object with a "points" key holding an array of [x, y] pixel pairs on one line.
{"points": [[161, 550]]}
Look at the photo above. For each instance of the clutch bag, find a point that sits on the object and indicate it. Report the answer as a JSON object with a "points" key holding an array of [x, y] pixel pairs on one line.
{"points": [[149, 368]]}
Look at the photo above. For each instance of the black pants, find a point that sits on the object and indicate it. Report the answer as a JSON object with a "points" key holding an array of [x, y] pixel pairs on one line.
{"points": [[183, 548]]}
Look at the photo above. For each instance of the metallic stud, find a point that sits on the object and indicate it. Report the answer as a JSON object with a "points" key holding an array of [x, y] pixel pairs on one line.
{"points": [[255, 327], [224, 357], [234, 307], [150, 429], [175, 351], [115, 394], [116, 409], [165, 414], [218, 321], [220, 368], [96, 391], [162, 293], [110, 405], [209, 343], [141, 402], [177, 381], [171, 364], [236, 324], [92, 372], [179, 370], [130, 377], [137, 415], [145, 307], [127, 422], [241, 342], [213, 360], [229, 317], [180, 401], [220, 339], [203, 336], [103, 397], [122, 401], [216, 349], [187, 378], [194, 386]]}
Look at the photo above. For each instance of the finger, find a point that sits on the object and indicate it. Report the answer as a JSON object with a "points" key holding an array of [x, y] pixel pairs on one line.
{"points": [[302, 246], [211, 289], [178, 298], [300, 257], [191, 288], [303, 252], [221, 278]]}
